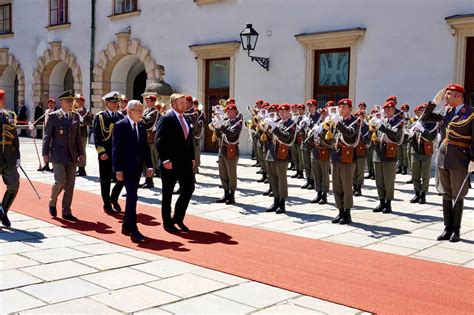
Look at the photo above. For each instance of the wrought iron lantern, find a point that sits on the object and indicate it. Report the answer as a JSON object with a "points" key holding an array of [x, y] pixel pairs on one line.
{"points": [[248, 38]]}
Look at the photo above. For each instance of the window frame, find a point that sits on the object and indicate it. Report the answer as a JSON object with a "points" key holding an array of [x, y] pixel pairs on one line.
{"points": [[66, 13], [10, 31], [114, 13]]}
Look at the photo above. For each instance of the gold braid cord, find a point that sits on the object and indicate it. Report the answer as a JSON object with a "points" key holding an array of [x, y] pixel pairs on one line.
{"points": [[105, 130], [459, 124], [7, 128]]}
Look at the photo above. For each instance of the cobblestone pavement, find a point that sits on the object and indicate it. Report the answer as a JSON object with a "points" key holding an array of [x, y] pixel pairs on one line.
{"points": [[48, 269]]}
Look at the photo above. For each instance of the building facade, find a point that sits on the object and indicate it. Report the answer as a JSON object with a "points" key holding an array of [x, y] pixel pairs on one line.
{"points": [[325, 49]]}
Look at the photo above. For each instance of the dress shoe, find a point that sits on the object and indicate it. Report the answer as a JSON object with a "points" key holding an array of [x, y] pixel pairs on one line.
{"points": [[274, 206], [405, 170], [81, 172], [125, 231], [177, 191], [171, 229], [281, 207], [267, 192], [52, 211], [357, 190], [422, 200], [346, 217], [415, 199], [338, 218], [263, 178], [116, 206], [455, 237], [259, 172], [318, 198], [410, 181], [305, 186], [446, 235], [380, 206], [148, 185], [137, 237], [183, 227], [231, 199], [295, 175], [324, 199], [69, 217], [108, 209], [388, 207], [270, 194], [4, 218], [224, 198]]}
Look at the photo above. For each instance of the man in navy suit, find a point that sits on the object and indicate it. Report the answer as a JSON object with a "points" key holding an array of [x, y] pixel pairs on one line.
{"points": [[174, 141], [129, 151]]}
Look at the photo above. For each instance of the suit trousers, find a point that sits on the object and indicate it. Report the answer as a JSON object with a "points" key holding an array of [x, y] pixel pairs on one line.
{"points": [[385, 173], [228, 173], [105, 173], [277, 177], [342, 184], [64, 179], [83, 162], [185, 177], [359, 171], [420, 172], [131, 182], [320, 174]]}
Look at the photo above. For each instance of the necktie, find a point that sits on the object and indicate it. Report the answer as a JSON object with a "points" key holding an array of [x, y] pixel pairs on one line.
{"points": [[183, 125], [135, 130]]}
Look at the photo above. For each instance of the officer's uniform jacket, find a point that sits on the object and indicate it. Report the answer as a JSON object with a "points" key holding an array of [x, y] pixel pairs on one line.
{"points": [[313, 119], [457, 133], [229, 133], [364, 138], [284, 132], [196, 120], [150, 117], [348, 128], [9, 145], [103, 130], [416, 140], [62, 138], [393, 130], [86, 121], [318, 143]]}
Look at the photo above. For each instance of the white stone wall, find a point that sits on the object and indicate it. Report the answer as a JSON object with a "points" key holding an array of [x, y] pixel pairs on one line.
{"points": [[407, 50]]}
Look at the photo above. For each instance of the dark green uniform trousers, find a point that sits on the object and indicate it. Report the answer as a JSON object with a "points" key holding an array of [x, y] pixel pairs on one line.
{"points": [[320, 171], [64, 179], [228, 173], [358, 178], [420, 171], [342, 184], [385, 173], [277, 177]]}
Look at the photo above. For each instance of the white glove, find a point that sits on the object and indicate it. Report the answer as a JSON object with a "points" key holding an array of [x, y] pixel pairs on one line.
{"points": [[470, 168], [30, 125], [418, 125], [18, 163], [336, 118], [219, 123], [306, 120], [439, 97], [272, 123], [378, 123], [81, 119], [317, 130]]}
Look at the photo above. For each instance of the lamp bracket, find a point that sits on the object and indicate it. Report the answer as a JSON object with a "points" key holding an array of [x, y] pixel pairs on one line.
{"points": [[264, 62]]}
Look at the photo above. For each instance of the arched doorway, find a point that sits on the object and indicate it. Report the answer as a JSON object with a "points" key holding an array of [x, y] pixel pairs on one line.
{"points": [[9, 83], [139, 85], [129, 77], [60, 79], [12, 79]]}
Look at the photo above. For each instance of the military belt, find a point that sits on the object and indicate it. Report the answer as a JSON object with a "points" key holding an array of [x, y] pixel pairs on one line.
{"points": [[6, 142], [456, 143]]}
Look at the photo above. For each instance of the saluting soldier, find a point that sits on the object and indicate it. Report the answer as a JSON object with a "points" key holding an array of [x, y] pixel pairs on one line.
{"points": [[455, 159], [228, 132], [62, 142], [103, 130], [361, 153], [342, 158], [150, 117], [402, 151], [86, 121], [421, 137], [9, 158], [389, 137], [320, 156], [277, 157]]}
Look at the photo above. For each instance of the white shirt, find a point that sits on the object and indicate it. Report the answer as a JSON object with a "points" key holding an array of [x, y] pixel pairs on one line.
{"points": [[68, 114], [132, 123], [185, 123]]}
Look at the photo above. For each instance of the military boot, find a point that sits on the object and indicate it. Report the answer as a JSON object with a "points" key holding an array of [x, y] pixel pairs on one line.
{"points": [[263, 178], [318, 198], [300, 175], [224, 198], [388, 207], [380, 206], [357, 191], [457, 216], [274, 206], [405, 170], [324, 199], [399, 169], [231, 199], [305, 186], [311, 184], [422, 200], [416, 199], [338, 218], [346, 217], [281, 207], [267, 192], [295, 175], [6, 204], [448, 221]]}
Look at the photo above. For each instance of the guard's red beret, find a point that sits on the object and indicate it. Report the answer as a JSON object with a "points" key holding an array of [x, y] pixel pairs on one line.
{"points": [[81, 98], [266, 104], [189, 98], [230, 100], [345, 101], [151, 97], [329, 104], [363, 104], [421, 107], [293, 105], [259, 102], [311, 102], [391, 98], [456, 87], [230, 106], [405, 106], [51, 100], [2, 93], [301, 106], [125, 100], [389, 104], [273, 107], [374, 110], [284, 107]]}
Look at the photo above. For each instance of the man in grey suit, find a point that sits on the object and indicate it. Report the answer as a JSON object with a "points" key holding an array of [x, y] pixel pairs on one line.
{"points": [[62, 142]]}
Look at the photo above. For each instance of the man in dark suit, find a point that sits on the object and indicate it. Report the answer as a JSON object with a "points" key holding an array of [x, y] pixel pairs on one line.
{"points": [[130, 151], [174, 141], [62, 142], [22, 114]]}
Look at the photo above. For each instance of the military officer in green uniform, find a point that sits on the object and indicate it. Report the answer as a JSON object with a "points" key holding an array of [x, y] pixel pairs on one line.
{"points": [[360, 153], [455, 158], [9, 158], [197, 120], [389, 137], [150, 117], [370, 149], [62, 144], [282, 137], [421, 137], [347, 131], [228, 132], [86, 122]]}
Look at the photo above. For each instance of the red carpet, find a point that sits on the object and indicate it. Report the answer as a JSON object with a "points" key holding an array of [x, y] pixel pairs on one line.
{"points": [[368, 280]]}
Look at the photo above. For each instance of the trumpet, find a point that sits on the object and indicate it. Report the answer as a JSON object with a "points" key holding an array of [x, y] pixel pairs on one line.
{"points": [[216, 116]]}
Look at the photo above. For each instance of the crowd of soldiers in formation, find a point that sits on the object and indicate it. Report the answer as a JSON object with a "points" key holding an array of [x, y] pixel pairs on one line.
{"points": [[332, 140]]}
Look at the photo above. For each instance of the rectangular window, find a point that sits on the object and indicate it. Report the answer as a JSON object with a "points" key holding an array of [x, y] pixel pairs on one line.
{"points": [[124, 6], [58, 12], [331, 82], [5, 19]]}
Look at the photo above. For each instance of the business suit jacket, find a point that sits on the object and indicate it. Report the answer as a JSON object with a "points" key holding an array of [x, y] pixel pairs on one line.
{"points": [[128, 154], [62, 139], [171, 144]]}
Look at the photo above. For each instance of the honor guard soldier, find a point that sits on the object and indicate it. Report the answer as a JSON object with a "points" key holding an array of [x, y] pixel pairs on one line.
{"points": [[197, 119], [307, 123], [263, 138], [389, 136], [361, 153], [283, 135], [253, 134], [62, 142], [402, 151], [150, 117], [296, 160], [228, 131], [455, 159], [346, 137], [9, 158], [370, 148], [103, 130], [86, 121], [421, 137]]}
